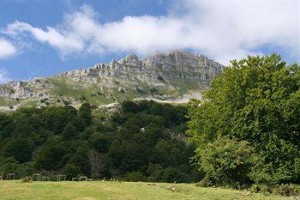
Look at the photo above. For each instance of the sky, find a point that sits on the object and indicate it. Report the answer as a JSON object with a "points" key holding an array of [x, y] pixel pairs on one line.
{"points": [[40, 38]]}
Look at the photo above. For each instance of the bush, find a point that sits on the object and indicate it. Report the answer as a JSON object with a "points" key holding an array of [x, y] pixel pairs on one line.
{"points": [[135, 176], [172, 174], [70, 170], [155, 172], [130, 107], [25, 169], [261, 188], [284, 189], [287, 190], [297, 169], [226, 162]]}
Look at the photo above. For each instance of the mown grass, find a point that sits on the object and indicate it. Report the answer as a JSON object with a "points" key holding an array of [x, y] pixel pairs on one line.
{"points": [[120, 190]]}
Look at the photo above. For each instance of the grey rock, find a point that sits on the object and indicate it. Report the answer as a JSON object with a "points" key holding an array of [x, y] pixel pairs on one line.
{"points": [[164, 71]]}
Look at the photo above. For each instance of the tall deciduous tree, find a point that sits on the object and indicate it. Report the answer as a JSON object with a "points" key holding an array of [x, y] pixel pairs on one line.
{"points": [[256, 100]]}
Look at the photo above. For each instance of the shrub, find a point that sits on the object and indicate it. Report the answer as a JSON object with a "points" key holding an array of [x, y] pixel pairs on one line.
{"points": [[283, 189], [226, 162], [287, 190], [135, 176]]}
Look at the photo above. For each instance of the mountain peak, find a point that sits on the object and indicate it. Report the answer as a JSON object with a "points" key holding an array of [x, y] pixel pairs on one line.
{"points": [[161, 76], [129, 59]]}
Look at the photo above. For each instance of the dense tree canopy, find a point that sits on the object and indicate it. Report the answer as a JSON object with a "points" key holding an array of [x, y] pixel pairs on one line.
{"points": [[137, 143], [254, 104]]}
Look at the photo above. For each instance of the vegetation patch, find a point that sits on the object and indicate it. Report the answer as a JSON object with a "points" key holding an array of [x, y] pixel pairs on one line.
{"points": [[247, 127], [115, 190], [135, 144]]}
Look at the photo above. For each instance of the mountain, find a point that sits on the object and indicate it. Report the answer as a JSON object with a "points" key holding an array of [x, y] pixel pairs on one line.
{"points": [[170, 76]]}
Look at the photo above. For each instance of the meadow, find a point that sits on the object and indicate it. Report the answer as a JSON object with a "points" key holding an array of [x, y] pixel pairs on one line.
{"points": [[109, 190]]}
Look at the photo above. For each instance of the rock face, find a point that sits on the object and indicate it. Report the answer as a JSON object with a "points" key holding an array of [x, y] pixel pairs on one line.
{"points": [[161, 72], [157, 69], [21, 89]]}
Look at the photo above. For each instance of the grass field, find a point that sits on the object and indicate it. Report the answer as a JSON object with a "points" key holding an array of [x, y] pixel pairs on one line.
{"points": [[13, 190]]}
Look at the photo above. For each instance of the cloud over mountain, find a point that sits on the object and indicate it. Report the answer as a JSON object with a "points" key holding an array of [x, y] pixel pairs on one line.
{"points": [[223, 30]]}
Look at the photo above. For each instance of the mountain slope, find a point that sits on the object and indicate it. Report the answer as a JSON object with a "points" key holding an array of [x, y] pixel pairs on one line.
{"points": [[166, 76]]}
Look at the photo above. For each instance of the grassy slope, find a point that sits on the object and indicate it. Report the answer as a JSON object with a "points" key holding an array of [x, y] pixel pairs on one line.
{"points": [[67, 88], [8, 102], [115, 190]]}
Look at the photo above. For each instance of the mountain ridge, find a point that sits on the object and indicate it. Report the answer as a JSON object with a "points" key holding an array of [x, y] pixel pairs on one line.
{"points": [[161, 76]]}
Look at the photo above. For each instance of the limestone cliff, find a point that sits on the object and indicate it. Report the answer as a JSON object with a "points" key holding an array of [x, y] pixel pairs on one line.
{"points": [[163, 75]]}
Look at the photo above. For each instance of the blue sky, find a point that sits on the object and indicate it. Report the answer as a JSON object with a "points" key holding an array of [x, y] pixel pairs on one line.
{"points": [[43, 38]]}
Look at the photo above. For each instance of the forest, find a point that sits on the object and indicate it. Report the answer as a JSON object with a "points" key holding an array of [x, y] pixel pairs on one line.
{"points": [[144, 141]]}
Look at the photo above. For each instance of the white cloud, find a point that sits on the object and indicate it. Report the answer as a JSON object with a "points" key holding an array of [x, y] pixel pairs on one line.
{"points": [[7, 49], [66, 44], [3, 76], [222, 30]]}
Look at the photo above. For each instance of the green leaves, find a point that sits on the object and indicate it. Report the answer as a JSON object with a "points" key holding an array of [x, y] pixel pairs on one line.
{"points": [[226, 161], [254, 100]]}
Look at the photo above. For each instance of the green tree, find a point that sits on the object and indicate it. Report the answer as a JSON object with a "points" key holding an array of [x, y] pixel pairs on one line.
{"points": [[6, 121], [78, 163], [69, 132], [20, 149], [255, 100], [130, 107], [56, 118], [85, 113], [52, 156], [100, 142]]}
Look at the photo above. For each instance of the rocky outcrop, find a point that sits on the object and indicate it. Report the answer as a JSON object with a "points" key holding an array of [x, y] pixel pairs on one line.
{"points": [[157, 69], [184, 65], [22, 89], [15, 90], [164, 70]]}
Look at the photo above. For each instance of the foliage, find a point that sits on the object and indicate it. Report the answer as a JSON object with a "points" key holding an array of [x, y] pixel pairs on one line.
{"points": [[52, 157], [256, 100], [283, 189], [135, 144], [135, 176], [226, 162], [85, 113], [20, 149]]}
